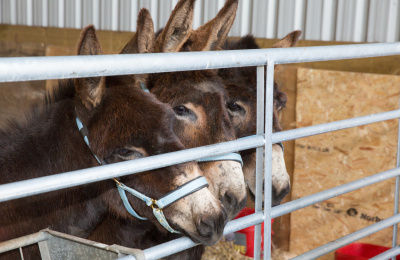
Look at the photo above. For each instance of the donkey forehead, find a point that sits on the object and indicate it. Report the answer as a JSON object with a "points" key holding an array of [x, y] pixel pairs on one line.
{"points": [[207, 86], [134, 112]]}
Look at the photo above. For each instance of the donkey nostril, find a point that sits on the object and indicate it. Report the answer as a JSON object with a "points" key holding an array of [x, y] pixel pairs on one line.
{"points": [[206, 226], [229, 200], [277, 196]]}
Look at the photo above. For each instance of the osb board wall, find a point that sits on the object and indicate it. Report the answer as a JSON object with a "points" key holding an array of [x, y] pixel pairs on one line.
{"points": [[21, 41], [331, 159], [17, 97]]}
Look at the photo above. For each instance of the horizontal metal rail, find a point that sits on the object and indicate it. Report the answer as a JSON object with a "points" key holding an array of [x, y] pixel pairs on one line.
{"points": [[333, 126], [395, 251], [183, 243], [70, 179], [22, 241], [40, 68], [338, 243], [291, 206], [74, 178], [180, 244]]}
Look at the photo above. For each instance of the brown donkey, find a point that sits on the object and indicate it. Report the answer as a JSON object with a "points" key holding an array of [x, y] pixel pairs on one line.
{"points": [[199, 101], [241, 84], [199, 97], [123, 123]]}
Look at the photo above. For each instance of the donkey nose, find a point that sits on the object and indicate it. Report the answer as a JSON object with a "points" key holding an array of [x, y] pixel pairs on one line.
{"points": [[231, 203], [211, 224], [278, 195]]}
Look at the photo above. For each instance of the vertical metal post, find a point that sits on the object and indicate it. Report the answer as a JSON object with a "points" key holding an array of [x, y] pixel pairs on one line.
{"points": [[396, 194], [269, 100], [21, 253], [392, 30], [259, 157]]}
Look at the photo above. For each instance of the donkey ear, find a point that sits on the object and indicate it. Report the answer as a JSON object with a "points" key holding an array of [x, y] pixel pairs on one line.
{"points": [[90, 90], [143, 40], [178, 28], [289, 40], [213, 34]]}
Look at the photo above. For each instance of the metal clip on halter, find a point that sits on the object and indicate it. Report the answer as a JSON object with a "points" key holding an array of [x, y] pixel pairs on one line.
{"points": [[158, 205]]}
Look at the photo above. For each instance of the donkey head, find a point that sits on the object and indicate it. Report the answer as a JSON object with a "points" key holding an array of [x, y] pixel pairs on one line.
{"points": [[126, 123], [241, 85], [199, 98]]}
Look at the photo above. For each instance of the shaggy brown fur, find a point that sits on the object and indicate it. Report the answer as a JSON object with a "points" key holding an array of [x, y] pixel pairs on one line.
{"points": [[241, 84], [199, 101], [123, 121]]}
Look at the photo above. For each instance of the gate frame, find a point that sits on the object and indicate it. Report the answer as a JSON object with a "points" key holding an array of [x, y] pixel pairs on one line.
{"points": [[40, 68]]}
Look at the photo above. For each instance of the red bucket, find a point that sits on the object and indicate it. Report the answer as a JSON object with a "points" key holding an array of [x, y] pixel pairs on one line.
{"points": [[244, 239], [360, 251]]}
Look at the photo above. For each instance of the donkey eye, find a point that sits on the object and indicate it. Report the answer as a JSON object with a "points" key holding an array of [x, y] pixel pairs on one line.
{"points": [[181, 110], [124, 152], [233, 106]]}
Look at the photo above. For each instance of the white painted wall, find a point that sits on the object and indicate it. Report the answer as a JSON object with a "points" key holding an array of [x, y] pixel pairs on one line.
{"points": [[329, 20]]}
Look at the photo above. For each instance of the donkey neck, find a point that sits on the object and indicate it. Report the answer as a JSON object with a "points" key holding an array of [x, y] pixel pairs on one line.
{"points": [[49, 143]]}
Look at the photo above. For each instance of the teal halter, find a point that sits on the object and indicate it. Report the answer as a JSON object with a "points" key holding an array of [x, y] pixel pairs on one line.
{"points": [[157, 205]]}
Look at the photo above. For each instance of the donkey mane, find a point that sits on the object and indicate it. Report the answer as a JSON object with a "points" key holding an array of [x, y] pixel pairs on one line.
{"points": [[65, 89]]}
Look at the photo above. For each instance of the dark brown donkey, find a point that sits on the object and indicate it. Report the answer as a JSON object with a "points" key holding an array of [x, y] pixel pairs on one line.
{"points": [[241, 84], [199, 101], [199, 97], [123, 123]]}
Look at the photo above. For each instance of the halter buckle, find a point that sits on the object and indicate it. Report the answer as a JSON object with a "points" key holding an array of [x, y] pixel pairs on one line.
{"points": [[154, 206]]}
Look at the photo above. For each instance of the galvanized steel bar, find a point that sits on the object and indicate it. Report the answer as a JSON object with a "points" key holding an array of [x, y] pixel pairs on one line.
{"points": [[269, 103], [392, 31], [340, 242], [396, 193], [23, 241], [333, 126], [333, 192], [183, 243], [259, 157], [74, 178], [39, 68], [395, 251], [254, 219]]}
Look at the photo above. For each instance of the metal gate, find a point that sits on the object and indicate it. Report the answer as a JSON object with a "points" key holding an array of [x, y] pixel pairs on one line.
{"points": [[38, 68], [328, 20]]}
